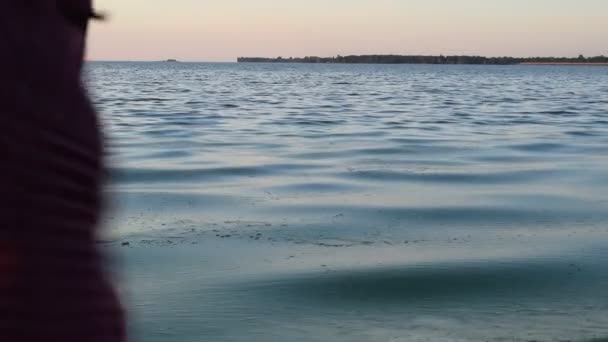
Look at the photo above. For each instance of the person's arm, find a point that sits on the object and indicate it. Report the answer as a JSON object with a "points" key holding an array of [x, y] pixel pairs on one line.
{"points": [[52, 281]]}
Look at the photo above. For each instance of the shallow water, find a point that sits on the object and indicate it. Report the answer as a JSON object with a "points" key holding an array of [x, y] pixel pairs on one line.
{"points": [[294, 202]]}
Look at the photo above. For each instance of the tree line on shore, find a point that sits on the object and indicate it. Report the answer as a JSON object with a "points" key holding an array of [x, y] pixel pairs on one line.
{"points": [[399, 59]]}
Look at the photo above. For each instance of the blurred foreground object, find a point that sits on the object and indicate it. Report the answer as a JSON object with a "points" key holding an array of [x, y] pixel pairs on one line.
{"points": [[52, 282]]}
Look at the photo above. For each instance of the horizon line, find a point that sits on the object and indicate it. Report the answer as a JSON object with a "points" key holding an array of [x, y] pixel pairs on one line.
{"points": [[341, 55], [235, 60]]}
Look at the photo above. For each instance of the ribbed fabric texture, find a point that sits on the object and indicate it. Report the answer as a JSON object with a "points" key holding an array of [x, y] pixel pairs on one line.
{"points": [[52, 283]]}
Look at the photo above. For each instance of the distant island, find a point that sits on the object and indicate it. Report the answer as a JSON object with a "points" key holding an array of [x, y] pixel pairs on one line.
{"points": [[399, 59], [172, 60]]}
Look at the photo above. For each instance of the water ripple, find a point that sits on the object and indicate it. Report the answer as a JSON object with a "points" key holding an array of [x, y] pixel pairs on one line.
{"points": [[363, 177]]}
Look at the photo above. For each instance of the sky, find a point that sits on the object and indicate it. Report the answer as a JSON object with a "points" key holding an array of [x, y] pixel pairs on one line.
{"points": [[222, 30]]}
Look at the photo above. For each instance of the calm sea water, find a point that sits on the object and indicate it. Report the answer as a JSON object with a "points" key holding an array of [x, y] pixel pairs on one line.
{"points": [[269, 202]]}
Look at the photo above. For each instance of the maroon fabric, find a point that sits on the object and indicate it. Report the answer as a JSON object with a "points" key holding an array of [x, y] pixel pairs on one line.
{"points": [[52, 284]]}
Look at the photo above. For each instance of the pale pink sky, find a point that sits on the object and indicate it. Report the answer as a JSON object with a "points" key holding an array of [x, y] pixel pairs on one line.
{"points": [[221, 30]]}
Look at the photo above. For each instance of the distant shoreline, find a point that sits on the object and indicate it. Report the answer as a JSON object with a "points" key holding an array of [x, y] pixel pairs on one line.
{"points": [[442, 60], [573, 64]]}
